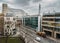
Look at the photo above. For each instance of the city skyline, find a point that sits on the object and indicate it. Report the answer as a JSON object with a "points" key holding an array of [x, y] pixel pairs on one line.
{"points": [[32, 6]]}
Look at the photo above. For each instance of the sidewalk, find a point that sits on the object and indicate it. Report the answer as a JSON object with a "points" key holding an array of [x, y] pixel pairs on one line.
{"points": [[57, 40]]}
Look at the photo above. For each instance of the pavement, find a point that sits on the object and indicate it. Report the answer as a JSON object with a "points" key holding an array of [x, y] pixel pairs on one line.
{"points": [[54, 39]]}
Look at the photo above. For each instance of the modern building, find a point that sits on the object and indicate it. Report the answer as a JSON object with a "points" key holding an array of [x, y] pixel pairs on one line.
{"points": [[1, 24], [51, 24], [32, 21]]}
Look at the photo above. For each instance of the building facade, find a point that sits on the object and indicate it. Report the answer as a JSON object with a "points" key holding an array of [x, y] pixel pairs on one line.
{"points": [[9, 24], [9, 18], [51, 24], [4, 8], [1, 24], [18, 22], [32, 21]]}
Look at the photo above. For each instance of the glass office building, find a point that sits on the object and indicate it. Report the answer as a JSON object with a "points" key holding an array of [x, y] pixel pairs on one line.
{"points": [[31, 21]]}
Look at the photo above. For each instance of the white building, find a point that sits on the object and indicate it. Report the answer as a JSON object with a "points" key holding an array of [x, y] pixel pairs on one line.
{"points": [[9, 16], [9, 24]]}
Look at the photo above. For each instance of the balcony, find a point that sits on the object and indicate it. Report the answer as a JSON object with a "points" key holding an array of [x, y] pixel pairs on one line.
{"points": [[49, 21], [57, 29], [48, 17], [47, 29], [57, 24], [48, 25], [57, 17]]}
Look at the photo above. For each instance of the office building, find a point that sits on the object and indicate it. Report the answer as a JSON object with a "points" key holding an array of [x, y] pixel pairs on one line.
{"points": [[51, 24], [32, 21]]}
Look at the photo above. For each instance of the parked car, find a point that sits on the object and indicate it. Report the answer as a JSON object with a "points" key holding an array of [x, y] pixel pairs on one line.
{"points": [[43, 34], [38, 39]]}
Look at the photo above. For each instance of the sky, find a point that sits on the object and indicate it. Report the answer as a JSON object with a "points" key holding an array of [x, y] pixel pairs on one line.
{"points": [[32, 6]]}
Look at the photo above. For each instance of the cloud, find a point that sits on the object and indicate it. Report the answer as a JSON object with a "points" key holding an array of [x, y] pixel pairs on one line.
{"points": [[50, 5], [36, 1], [32, 6], [8, 1], [1, 0], [0, 7], [22, 2]]}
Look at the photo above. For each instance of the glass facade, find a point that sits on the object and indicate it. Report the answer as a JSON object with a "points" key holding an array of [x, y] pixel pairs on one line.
{"points": [[49, 28], [31, 22], [57, 20], [57, 29]]}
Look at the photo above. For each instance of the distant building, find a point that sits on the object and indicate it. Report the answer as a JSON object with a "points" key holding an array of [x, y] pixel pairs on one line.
{"points": [[51, 24], [4, 8], [1, 24]]}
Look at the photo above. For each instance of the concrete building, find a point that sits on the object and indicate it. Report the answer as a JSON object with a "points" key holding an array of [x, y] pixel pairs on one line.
{"points": [[1, 24], [51, 24], [32, 21], [9, 17], [9, 24], [18, 22]]}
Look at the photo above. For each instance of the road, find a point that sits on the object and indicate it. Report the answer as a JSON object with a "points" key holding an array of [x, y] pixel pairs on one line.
{"points": [[33, 35]]}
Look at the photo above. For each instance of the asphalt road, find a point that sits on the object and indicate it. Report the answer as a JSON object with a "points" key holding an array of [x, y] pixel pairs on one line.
{"points": [[46, 40], [43, 40]]}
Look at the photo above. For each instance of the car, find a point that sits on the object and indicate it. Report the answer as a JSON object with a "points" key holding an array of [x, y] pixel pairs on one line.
{"points": [[38, 39]]}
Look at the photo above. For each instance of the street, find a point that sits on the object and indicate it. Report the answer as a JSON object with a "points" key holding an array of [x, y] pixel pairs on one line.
{"points": [[33, 35]]}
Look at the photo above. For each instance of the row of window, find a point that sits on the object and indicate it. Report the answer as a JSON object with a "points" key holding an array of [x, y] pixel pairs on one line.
{"points": [[51, 28], [32, 22], [52, 15]]}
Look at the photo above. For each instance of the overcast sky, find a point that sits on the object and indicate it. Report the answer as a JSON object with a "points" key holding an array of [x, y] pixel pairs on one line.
{"points": [[32, 6]]}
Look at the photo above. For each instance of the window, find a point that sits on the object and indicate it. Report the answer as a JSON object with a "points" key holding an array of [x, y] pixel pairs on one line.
{"points": [[8, 18], [7, 26], [13, 18]]}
